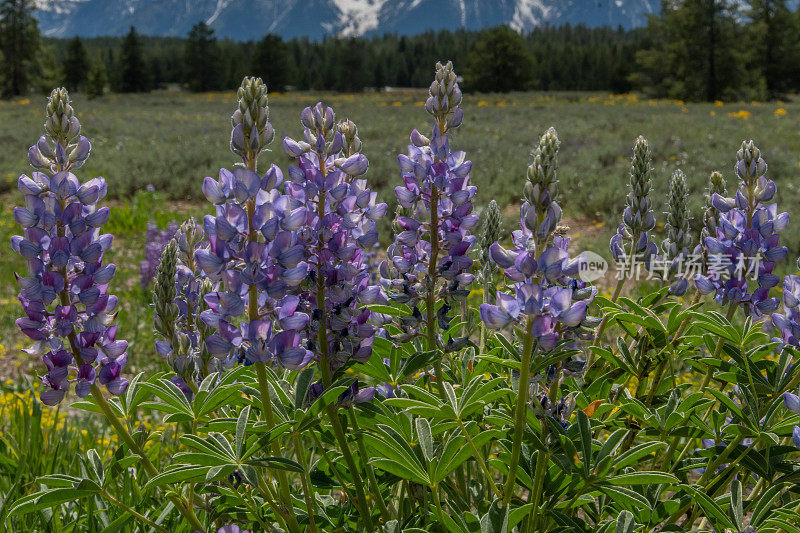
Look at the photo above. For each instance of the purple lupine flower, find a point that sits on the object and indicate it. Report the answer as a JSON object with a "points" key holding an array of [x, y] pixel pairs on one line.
{"points": [[338, 229], [69, 312], [354, 394], [796, 436], [632, 243], [429, 258], [745, 243], [545, 292], [155, 241], [788, 323], [254, 254], [792, 402]]}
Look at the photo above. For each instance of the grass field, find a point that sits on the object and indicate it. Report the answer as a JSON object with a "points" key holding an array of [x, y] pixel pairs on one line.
{"points": [[170, 141]]}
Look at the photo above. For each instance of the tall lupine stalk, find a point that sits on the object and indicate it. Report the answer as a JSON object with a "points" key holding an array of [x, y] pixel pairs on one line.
{"points": [[69, 313], [429, 261], [632, 245], [338, 230], [256, 259], [548, 304]]}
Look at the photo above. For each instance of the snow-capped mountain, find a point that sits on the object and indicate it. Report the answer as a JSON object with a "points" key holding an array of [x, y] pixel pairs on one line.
{"points": [[251, 19]]}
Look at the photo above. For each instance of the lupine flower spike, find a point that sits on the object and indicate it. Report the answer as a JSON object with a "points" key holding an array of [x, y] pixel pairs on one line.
{"points": [[69, 312], [545, 290], [429, 259], [338, 229], [745, 243], [676, 246], [632, 246], [254, 255]]}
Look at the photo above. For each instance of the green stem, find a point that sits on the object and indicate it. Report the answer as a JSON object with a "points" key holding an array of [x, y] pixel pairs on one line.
{"points": [[305, 479], [132, 512], [180, 502], [361, 499], [373, 482], [479, 458], [717, 350], [520, 411], [430, 298], [438, 502]]}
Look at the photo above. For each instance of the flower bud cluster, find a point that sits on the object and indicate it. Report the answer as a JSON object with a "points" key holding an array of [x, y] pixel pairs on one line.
{"points": [[68, 311], [62, 147], [429, 258], [444, 98], [252, 131], [746, 242], [179, 300], [632, 238], [545, 293], [541, 210], [338, 230], [492, 222], [676, 245]]}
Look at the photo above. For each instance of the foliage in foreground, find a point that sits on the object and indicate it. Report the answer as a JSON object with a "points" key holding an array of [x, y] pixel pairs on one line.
{"points": [[314, 383]]}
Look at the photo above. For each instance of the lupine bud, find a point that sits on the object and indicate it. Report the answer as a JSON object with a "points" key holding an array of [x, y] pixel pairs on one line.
{"points": [[678, 214], [69, 314], [252, 131], [63, 147], [632, 242], [678, 240], [542, 212], [444, 98]]}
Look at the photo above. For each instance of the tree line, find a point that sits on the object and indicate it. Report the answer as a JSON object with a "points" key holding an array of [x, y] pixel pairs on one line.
{"points": [[692, 49]]}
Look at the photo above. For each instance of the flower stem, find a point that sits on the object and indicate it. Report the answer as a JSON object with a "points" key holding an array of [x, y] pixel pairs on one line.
{"points": [[373, 482], [132, 512], [305, 479], [520, 411], [479, 458]]}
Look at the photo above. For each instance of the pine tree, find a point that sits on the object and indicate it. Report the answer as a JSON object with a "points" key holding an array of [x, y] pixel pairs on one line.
{"points": [[698, 52], [271, 62], [133, 75], [19, 43], [76, 65], [96, 82], [202, 58], [773, 34], [499, 62]]}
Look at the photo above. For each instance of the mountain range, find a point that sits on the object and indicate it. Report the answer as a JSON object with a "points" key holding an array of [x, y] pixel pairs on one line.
{"points": [[251, 19]]}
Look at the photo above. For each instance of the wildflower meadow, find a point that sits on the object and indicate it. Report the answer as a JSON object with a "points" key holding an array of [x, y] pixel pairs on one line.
{"points": [[329, 347]]}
